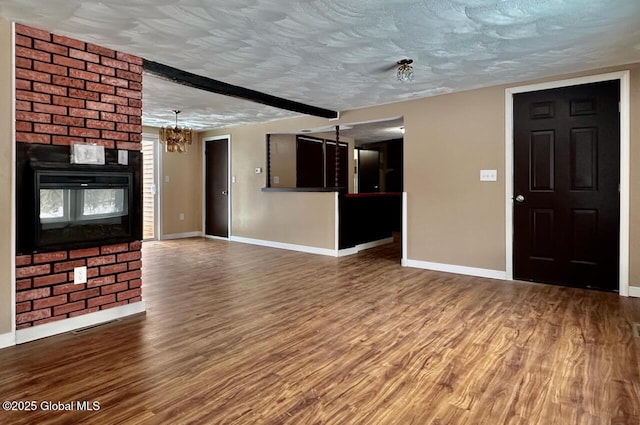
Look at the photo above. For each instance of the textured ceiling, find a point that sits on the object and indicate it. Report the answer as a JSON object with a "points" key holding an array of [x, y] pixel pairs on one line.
{"points": [[336, 54]]}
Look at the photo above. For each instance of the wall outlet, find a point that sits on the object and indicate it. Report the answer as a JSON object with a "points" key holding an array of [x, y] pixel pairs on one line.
{"points": [[488, 175], [276, 179], [123, 157], [80, 275], [181, 216], [258, 170], [166, 179]]}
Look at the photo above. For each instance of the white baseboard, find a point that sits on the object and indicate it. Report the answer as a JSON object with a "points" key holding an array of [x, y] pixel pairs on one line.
{"points": [[290, 247], [363, 246], [634, 291], [7, 340], [78, 322], [450, 268], [181, 235]]}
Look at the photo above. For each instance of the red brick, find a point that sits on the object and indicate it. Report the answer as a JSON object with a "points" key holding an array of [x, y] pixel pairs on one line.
{"points": [[99, 106], [49, 47], [113, 81], [136, 274], [129, 146], [50, 302], [24, 126], [30, 271], [33, 97], [138, 69], [33, 117], [23, 260], [129, 58], [136, 103], [137, 283], [33, 138], [135, 300], [114, 99], [105, 299], [135, 120], [85, 75], [33, 294], [107, 116], [22, 284], [64, 120], [22, 105], [68, 82], [99, 281], [50, 68], [128, 75], [135, 245], [134, 94], [48, 280], [23, 41], [103, 51], [65, 61], [69, 42], [23, 85], [33, 32], [23, 326], [104, 125], [114, 268], [83, 253], [33, 315], [84, 56], [115, 135], [99, 69], [81, 295], [83, 94], [135, 265], [128, 110], [67, 101], [101, 88], [129, 294], [114, 249], [85, 311], [111, 289], [50, 128], [75, 112], [48, 88], [25, 52], [101, 261], [131, 128], [26, 74], [68, 265], [49, 320], [68, 308], [93, 272], [108, 144], [136, 87], [49, 257], [23, 307], [113, 63], [112, 305], [49, 109], [66, 140], [129, 256], [67, 288], [24, 63], [84, 132]]}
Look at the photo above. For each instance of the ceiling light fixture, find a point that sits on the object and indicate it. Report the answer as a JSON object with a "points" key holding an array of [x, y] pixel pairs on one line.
{"points": [[175, 139], [405, 70]]}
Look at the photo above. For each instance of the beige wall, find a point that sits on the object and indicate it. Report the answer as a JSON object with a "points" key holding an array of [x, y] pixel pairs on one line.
{"points": [[453, 218], [6, 176], [283, 160]]}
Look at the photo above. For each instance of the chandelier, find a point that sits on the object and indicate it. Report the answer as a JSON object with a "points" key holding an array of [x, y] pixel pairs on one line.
{"points": [[405, 70], [175, 139]]}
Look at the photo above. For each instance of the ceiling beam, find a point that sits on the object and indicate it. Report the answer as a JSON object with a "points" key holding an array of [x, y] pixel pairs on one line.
{"points": [[205, 83]]}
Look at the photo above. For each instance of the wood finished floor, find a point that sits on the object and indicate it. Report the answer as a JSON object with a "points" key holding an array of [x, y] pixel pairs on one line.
{"points": [[240, 334]]}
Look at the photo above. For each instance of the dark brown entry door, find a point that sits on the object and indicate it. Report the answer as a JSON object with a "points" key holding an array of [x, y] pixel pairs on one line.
{"points": [[368, 170], [566, 188], [217, 188]]}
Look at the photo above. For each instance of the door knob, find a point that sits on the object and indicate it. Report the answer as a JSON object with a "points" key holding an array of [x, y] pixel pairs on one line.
{"points": [[519, 198], [224, 192]]}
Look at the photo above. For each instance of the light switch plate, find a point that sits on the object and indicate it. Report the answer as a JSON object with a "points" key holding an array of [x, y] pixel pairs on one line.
{"points": [[258, 170], [233, 179], [488, 175], [80, 275], [276, 179]]}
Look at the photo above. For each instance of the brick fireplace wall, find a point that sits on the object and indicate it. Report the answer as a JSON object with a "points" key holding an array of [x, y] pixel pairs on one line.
{"points": [[71, 91]]}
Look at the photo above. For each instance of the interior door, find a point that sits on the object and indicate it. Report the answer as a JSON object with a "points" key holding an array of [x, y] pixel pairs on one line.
{"points": [[368, 171], [217, 188], [566, 185]]}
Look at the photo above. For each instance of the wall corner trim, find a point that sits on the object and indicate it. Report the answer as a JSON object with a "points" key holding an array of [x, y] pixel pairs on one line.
{"points": [[78, 322], [634, 291], [450, 268], [288, 246], [181, 235], [7, 340]]}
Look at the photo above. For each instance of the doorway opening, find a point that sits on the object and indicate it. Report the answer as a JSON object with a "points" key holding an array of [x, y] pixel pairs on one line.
{"points": [[150, 193]]}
